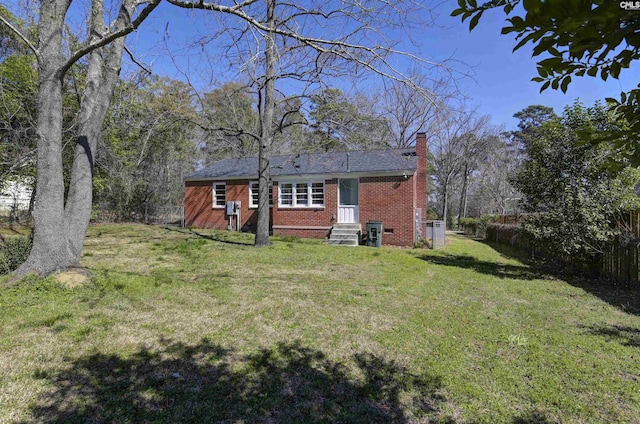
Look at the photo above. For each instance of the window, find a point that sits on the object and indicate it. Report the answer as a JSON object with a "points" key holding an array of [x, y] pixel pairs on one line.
{"points": [[286, 194], [219, 195], [302, 194], [317, 194], [253, 194]]}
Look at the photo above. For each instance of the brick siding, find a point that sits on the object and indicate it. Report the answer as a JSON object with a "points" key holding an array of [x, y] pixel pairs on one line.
{"points": [[390, 199], [199, 211], [309, 216], [421, 178]]}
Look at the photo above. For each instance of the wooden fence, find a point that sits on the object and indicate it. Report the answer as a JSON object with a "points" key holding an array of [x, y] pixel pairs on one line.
{"points": [[510, 219], [619, 259], [620, 262]]}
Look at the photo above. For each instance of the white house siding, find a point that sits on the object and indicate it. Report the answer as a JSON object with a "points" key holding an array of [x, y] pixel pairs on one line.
{"points": [[15, 194]]}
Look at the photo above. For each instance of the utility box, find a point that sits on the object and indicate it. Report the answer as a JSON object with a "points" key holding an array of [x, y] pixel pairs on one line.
{"points": [[374, 233], [231, 207], [436, 232]]}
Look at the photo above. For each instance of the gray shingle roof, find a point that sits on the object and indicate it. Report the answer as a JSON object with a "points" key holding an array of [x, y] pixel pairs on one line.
{"points": [[373, 161]]}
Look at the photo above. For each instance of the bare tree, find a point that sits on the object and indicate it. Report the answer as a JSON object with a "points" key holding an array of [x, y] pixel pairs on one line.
{"points": [[305, 41], [456, 139], [494, 188], [230, 120], [410, 111], [340, 121], [267, 110], [60, 224], [475, 144]]}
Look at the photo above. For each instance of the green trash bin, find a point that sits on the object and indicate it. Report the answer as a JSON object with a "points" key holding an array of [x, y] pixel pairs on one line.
{"points": [[374, 233]]}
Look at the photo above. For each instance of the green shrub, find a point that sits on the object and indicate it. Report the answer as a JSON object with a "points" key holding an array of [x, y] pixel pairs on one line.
{"points": [[13, 253], [470, 225], [485, 221], [477, 226], [431, 214], [469, 221], [423, 243]]}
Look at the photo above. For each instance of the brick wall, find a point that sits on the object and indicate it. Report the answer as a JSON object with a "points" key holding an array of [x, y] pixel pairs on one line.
{"points": [[381, 199], [307, 217], [420, 191], [199, 211], [304, 233], [389, 199]]}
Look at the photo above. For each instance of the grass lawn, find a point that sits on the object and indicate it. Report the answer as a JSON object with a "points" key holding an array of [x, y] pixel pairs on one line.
{"points": [[177, 326]]}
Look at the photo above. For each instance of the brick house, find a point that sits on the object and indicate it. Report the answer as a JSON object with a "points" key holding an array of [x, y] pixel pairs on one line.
{"points": [[315, 195]]}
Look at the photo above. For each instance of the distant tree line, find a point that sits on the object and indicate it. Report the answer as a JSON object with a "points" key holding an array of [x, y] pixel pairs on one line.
{"points": [[89, 140], [159, 130]]}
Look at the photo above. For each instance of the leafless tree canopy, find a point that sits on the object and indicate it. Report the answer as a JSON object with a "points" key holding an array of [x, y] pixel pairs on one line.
{"points": [[308, 42], [287, 52]]}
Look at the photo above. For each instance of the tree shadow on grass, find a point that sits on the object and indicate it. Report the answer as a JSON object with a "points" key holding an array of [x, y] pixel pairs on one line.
{"points": [[532, 417], [626, 336], [219, 238], [520, 272], [625, 296], [206, 383]]}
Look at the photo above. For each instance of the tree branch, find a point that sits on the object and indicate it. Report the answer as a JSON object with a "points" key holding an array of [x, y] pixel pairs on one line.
{"points": [[339, 48], [22, 36], [27, 156], [134, 60], [125, 29]]}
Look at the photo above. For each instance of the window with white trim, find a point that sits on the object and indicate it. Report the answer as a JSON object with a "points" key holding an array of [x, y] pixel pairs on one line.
{"points": [[302, 194], [253, 194], [286, 194], [219, 195], [317, 193], [308, 194]]}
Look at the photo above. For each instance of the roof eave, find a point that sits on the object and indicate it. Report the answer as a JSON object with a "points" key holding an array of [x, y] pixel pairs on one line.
{"points": [[323, 176]]}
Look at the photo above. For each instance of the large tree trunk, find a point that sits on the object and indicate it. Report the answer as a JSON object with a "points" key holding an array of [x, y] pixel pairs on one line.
{"points": [[266, 134], [102, 77], [50, 250], [59, 229], [445, 201], [462, 210]]}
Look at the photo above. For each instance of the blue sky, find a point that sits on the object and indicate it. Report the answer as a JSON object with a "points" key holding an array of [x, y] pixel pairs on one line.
{"points": [[501, 83]]}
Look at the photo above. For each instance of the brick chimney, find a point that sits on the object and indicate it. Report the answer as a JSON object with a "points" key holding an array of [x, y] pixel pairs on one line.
{"points": [[421, 172]]}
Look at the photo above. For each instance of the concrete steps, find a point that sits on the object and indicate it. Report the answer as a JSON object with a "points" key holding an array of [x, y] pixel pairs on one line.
{"points": [[345, 235]]}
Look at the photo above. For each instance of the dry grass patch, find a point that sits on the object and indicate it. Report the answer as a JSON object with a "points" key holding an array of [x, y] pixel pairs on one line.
{"points": [[73, 278], [179, 326]]}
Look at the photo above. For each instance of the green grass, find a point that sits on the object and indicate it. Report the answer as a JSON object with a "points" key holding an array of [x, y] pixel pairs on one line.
{"points": [[199, 326]]}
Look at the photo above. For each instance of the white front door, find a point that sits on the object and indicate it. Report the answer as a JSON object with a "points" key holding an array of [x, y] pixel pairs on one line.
{"points": [[348, 201]]}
